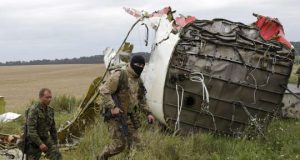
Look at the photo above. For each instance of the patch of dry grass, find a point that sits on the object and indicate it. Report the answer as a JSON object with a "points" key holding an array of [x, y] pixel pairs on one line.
{"points": [[19, 84], [294, 76], [2, 105]]}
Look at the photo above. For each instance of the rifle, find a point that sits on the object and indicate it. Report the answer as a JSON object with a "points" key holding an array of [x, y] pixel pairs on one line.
{"points": [[120, 118], [122, 124], [25, 134]]}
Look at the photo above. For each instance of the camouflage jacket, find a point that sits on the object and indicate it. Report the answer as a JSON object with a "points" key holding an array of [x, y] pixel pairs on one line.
{"points": [[40, 123], [131, 97]]}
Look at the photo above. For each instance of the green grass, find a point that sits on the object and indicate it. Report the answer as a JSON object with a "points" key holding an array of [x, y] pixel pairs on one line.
{"points": [[2, 106], [281, 141], [294, 76], [65, 103]]}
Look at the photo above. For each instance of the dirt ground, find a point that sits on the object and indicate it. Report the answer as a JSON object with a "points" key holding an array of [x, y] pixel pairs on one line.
{"points": [[20, 84]]}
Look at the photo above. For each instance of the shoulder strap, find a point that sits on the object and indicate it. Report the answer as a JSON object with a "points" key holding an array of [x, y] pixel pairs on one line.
{"points": [[123, 80], [142, 89]]}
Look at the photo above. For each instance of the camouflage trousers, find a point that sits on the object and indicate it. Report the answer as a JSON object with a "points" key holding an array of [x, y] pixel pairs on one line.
{"points": [[119, 142], [33, 152]]}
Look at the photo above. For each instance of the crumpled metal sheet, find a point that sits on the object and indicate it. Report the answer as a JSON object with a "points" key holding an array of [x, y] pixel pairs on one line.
{"points": [[85, 117], [244, 75], [9, 116], [271, 29]]}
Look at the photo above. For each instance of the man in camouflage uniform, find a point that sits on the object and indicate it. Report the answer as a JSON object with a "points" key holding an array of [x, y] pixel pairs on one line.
{"points": [[40, 122], [127, 87]]}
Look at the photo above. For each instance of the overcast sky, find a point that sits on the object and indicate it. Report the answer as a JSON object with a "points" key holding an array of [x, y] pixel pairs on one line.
{"points": [[49, 29]]}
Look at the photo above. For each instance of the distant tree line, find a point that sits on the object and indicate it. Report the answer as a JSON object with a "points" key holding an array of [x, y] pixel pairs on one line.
{"points": [[82, 60], [297, 47], [97, 59]]}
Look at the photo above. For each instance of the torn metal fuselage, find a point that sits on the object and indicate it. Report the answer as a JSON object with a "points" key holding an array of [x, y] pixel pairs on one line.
{"points": [[229, 62], [243, 75]]}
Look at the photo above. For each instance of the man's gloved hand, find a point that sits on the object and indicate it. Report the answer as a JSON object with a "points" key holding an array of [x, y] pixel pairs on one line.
{"points": [[116, 111], [151, 119], [43, 147]]}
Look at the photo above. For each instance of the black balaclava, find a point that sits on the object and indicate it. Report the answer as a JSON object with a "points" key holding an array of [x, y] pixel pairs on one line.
{"points": [[140, 60]]}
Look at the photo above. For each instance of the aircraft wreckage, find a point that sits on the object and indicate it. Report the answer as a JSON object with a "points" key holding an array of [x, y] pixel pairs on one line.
{"points": [[214, 75]]}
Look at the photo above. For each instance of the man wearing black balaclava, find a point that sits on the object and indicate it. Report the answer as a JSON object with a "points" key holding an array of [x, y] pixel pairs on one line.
{"points": [[137, 63], [123, 93]]}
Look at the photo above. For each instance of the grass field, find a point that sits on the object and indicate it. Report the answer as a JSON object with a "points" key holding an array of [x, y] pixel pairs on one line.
{"points": [[281, 141], [20, 84], [294, 77], [2, 105]]}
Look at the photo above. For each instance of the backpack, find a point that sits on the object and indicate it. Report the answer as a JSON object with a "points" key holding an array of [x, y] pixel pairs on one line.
{"points": [[123, 84], [123, 80]]}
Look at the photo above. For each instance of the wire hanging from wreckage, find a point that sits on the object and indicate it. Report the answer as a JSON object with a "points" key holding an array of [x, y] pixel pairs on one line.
{"points": [[179, 107], [251, 118], [199, 78]]}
